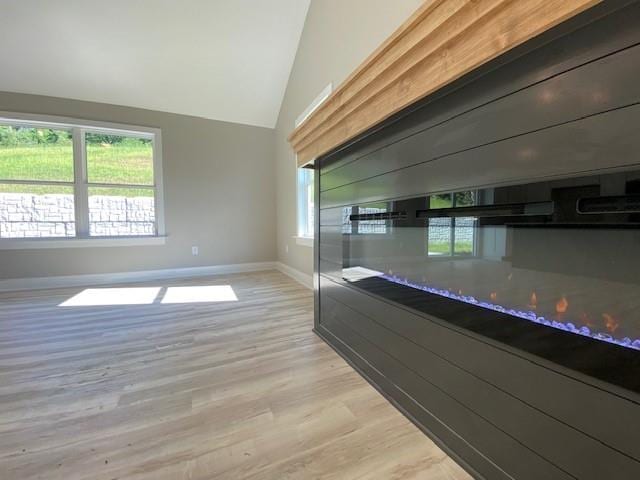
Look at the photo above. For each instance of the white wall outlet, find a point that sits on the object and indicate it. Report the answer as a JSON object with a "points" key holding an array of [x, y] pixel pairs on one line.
{"points": [[195, 251], [286, 248]]}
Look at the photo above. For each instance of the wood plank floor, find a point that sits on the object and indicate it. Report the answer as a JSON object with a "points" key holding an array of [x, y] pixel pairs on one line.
{"points": [[228, 390]]}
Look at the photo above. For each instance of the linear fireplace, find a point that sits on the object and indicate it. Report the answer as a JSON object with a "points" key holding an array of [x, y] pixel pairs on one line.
{"points": [[552, 267], [478, 257]]}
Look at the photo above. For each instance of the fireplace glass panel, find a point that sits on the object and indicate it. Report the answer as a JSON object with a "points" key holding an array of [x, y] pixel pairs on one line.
{"points": [[561, 255]]}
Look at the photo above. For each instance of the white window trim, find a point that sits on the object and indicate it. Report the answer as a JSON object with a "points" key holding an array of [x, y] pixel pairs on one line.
{"points": [[93, 242], [79, 163]]}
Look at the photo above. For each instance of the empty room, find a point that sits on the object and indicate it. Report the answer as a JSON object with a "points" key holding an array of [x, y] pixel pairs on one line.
{"points": [[320, 240]]}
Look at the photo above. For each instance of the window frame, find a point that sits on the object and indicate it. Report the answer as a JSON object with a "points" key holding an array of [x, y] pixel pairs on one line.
{"points": [[302, 207], [302, 236], [81, 185]]}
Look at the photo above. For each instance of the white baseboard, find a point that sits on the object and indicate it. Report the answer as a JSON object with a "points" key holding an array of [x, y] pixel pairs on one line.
{"points": [[301, 277], [37, 283]]}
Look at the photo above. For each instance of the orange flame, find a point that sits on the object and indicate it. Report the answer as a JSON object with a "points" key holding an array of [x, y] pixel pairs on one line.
{"points": [[610, 322], [584, 318], [533, 301], [493, 296], [562, 305]]}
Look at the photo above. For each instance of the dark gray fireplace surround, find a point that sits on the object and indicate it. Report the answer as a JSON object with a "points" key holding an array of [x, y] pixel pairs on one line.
{"points": [[507, 397]]}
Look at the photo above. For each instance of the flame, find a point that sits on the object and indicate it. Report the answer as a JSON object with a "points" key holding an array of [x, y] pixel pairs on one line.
{"points": [[533, 301], [493, 296], [610, 322], [586, 320], [562, 305]]}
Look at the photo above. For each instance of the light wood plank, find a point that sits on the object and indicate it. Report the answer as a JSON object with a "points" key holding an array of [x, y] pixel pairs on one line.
{"points": [[231, 390]]}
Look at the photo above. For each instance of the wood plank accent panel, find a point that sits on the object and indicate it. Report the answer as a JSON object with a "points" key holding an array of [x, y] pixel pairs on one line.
{"points": [[442, 41]]}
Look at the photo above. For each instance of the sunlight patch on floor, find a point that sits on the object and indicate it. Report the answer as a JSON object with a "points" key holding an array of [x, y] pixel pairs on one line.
{"points": [[96, 297], [200, 294], [102, 297]]}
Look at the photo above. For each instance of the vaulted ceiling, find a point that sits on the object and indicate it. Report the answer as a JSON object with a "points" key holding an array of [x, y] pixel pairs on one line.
{"points": [[219, 59]]}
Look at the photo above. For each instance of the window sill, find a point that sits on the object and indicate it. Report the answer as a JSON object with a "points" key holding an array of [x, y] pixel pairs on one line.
{"points": [[43, 243], [304, 241]]}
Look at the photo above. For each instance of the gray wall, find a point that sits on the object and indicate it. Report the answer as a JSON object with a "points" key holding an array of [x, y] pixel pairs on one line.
{"points": [[337, 37], [219, 184]]}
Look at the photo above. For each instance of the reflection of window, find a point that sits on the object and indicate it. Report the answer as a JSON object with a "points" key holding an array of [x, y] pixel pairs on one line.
{"points": [[372, 226], [365, 227], [346, 221], [305, 202], [448, 236], [69, 180]]}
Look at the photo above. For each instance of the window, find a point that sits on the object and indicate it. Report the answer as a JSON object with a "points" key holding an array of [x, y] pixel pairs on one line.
{"points": [[82, 181], [304, 178], [448, 236], [305, 203]]}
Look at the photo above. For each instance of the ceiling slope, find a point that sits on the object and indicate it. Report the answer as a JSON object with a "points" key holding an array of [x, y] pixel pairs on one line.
{"points": [[219, 59]]}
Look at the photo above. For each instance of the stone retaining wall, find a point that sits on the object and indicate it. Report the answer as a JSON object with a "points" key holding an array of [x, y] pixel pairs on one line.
{"points": [[440, 230], [29, 215]]}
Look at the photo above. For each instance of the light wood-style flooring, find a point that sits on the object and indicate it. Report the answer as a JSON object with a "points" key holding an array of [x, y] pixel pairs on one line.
{"points": [[226, 390]]}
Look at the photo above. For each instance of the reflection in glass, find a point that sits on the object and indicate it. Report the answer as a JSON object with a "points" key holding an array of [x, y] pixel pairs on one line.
{"points": [[540, 259], [448, 236]]}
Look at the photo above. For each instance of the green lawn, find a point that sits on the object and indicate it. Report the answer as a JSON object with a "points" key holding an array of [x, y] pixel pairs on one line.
{"points": [[120, 163], [443, 248]]}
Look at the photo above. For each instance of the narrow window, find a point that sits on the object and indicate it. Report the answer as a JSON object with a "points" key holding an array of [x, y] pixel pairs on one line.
{"points": [[305, 203], [304, 176]]}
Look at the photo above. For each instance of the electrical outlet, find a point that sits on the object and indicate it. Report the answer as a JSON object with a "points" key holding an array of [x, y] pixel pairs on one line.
{"points": [[195, 251], [286, 248]]}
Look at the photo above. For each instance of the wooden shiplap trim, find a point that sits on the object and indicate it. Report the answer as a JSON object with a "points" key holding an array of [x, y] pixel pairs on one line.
{"points": [[442, 41]]}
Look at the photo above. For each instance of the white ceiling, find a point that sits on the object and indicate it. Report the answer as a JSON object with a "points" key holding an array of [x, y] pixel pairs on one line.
{"points": [[219, 59]]}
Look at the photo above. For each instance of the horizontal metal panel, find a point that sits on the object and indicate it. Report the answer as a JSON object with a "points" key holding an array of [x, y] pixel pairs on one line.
{"points": [[605, 84], [331, 216], [601, 415], [331, 234], [463, 453], [331, 253], [332, 269], [513, 457], [603, 141], [330, 250], [527, 425]]}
